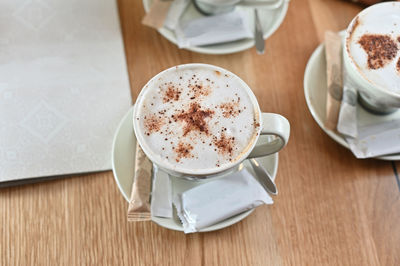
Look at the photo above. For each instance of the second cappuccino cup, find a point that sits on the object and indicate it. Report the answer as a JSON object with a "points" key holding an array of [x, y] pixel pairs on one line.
{"points": [[371, 56]]}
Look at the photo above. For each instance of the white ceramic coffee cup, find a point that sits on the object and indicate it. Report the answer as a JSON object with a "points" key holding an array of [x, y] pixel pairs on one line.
{"points": [[372, 96], [270, 124]]}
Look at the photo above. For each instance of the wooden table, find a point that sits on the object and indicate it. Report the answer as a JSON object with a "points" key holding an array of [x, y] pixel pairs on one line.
{"points": [[332, 209]]}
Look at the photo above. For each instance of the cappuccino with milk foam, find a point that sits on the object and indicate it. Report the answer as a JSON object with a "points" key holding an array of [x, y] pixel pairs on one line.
{"points": [[196, 117], [374, 43]]}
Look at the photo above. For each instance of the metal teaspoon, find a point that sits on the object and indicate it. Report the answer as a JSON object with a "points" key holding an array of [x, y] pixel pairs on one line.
{"points": [[264, 177]]}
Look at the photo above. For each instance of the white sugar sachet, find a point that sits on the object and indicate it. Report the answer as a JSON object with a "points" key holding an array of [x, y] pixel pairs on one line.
{"points": [[213, 29], [161, 195], [376, 140], [218, 200], [174, 13], [347, 121]]}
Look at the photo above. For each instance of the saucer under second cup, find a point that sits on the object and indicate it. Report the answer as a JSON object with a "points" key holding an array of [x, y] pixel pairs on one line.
{"points": [[315, 90]]}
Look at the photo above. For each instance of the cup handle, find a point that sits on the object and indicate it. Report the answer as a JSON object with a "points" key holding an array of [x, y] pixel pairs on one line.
{"points": [[276, 125]]}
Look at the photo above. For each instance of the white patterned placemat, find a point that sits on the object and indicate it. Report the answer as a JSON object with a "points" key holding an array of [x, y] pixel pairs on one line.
{"points": [[63, 86]]}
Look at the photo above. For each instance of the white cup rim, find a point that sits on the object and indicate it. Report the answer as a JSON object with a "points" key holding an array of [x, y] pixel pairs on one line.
{"points": [[197, 172], [353, 64]]}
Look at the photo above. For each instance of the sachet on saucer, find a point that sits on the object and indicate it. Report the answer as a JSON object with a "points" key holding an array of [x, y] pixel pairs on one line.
{"points": [[378, 138], [157, 14], [216, 29], [161, 194], [175, 12], [333, 51], [139, 203], [217, 200], [341, 97], [165, 14], [151, 191]]}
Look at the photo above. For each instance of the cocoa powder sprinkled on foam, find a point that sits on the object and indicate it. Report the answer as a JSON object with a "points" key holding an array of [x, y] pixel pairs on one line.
{"points": [[256, 124], [153, 123], [230, 109], [224, 144], [171, 94], [195, 119], [381, 49], [353, 28], [183, 150], [199, 90], [355, 25]]}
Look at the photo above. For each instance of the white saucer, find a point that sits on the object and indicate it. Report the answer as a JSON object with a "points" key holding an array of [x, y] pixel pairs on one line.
{"points": [[315, 92], [123, 157], [270, 21]]}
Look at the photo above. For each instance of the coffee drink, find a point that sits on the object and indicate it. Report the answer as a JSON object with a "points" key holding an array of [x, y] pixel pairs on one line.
{"points": [[196, 117], [373, 43]]}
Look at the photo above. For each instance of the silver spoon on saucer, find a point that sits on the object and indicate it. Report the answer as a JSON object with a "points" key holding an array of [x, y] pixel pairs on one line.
{"points": [[259, 34], [264, 177]]}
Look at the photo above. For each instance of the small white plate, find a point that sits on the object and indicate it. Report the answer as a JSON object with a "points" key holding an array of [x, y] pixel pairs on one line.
{"points": [[123, 157], [315, 90], [270, 21]]}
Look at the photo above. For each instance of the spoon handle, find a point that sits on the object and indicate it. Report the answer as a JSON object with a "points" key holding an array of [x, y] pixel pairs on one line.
{"points": [[264, 177], [259, 35]]}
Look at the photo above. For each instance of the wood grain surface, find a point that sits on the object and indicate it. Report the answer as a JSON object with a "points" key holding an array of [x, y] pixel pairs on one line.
{"points": [[332, 209]]}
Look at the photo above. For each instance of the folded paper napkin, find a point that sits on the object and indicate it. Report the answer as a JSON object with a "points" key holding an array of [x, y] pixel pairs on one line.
{"points": [[365, 141], [214, 201]]}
